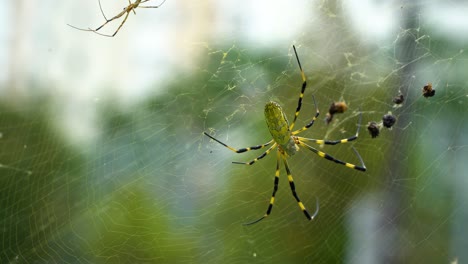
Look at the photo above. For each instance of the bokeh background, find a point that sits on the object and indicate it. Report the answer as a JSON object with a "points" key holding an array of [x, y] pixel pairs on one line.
{"points": [[103, 157]]}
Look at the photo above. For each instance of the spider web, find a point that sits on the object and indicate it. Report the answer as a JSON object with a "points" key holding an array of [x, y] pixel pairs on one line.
{"points": [[103, 157]]}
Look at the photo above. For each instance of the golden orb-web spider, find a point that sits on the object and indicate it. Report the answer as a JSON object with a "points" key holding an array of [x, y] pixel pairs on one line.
{"points": [[285, 139]]}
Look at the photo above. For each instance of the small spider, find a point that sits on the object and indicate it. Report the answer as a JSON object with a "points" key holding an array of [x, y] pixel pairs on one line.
{"points": [[388, 120], [373, 128], [130, 8], [335, 108], [285, 139], [428, 91], [399, 99]]}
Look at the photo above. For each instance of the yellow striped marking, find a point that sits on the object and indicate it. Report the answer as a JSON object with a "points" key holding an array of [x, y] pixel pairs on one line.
{"points": [[301, 206], [290, 178], [272, 200], [231, 148], [321, 154], [349, 165], [343, 140], [320, 141]]}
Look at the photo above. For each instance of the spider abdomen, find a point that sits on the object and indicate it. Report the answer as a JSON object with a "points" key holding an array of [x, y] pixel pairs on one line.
{"points": [[278, 126]]}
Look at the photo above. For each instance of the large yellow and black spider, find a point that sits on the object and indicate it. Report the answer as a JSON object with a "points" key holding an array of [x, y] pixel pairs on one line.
{"points": [[285, 139]]}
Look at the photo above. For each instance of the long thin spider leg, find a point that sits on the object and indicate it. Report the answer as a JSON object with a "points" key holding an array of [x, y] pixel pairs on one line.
{"points": [[156, 6], [113, 35], [317, 113], [149, 6], [112, 19], [329, 157], [275, 188], [125, 11], [334, 142], [121, 24], [105, 23], [241, 150], [81, 29], [133, 6], [130, 8], [102, 11], [304, 85], [259, 157], [293, 190]]}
